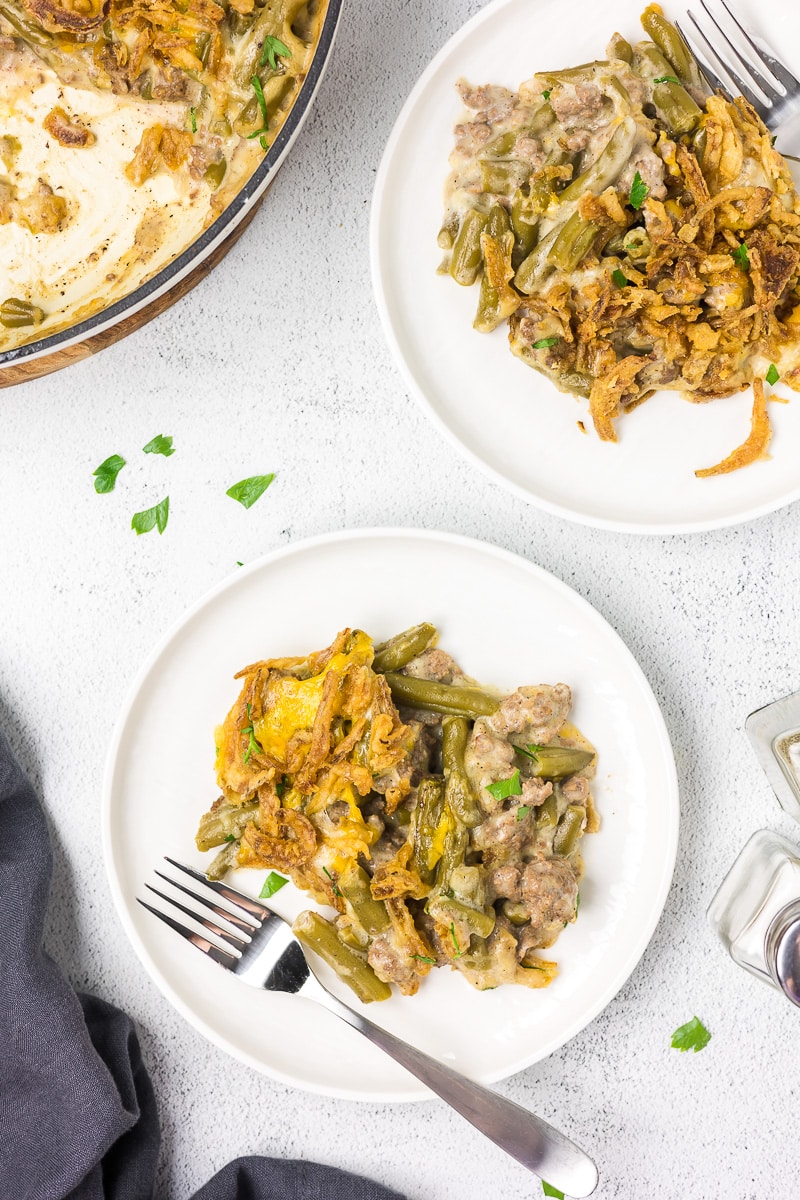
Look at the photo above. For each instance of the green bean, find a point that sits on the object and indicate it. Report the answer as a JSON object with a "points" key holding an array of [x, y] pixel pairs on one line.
{"points": [[17, 314], [321, 937], [447, 234], [10, 149], [458, 791], [621, 49], [496, 301], [573, 243], [447, 698], [650, 63], [428, 817], [534, 268], [516, 913], [584, 73], [456, 844], [479, 922], [607, 168], [523, 223], [268, 23], [699, 144], [569, 829], [221, 863], [577, 382], [675, 107], [371, 914], [668, 40], [502, 176], [636, 243], [400, 649], [501, 145], [556, 762], [499, 223], [547, 813], [219, 824], [467, 257], [215, 173]]}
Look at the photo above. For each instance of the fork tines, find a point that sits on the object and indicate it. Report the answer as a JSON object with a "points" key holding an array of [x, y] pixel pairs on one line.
{"points": [[753, 71], [246, 920]]}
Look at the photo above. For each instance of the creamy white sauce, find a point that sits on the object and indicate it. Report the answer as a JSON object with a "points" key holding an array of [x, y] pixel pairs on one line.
{"points": [[115, 235]]}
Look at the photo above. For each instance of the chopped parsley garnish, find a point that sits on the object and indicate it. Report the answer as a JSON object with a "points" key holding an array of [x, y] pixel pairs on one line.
{"points": [[262, 105], [336, 891], [160, 445], [741, 257], [639, 190], [424, 958], [152, 518], [270, 51], [530, 751], [506, 787], [545, 343], [459, 951], [620, 278], [252, 745], [281, 787], [272, 884], [577, 903], [523, 811], [549, 1190], [546, 94], [106, 474], [773, 375], [667, 79], [239, 564], [691, 1036], [247, 491], [193, 119], [230, 837]]}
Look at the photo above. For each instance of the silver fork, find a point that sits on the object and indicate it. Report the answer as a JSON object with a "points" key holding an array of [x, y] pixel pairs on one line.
{"points": [[260, 949], [753, 70]]}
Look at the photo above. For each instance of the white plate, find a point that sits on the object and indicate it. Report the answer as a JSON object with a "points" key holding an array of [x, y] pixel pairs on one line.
{"points": [[508, 419], [508, 623]]}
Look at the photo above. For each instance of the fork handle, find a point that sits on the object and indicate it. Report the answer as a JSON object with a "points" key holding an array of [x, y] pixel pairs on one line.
{"points": [[526, 1137]]}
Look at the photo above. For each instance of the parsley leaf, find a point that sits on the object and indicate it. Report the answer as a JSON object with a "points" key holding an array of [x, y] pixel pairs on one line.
{"points": [[247, 491], [270, 51], [239, 564], [620, 278], [506, 787], [773, 375], [530, 751], [741, 257], [523, 811], [193, 119], [549, 1190], [252, 745], [546, 94], [667, 79], [424, 958], [459, 951], [262, 105], [639, 190], [691, 1036], [336, 891], [230, 837], [545, 343], [272, 884], [152, 518], [159, 445], [106, 474]]}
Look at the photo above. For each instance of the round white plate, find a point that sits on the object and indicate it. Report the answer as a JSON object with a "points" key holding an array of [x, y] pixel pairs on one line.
{"points": [[507, 623], [508, 419]]}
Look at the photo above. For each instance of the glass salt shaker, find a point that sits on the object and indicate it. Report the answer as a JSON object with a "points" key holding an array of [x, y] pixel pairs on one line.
{"points": [[756, 911]]}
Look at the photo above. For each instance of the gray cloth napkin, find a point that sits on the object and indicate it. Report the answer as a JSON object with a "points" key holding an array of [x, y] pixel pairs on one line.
{"points": [[78, 1117]]}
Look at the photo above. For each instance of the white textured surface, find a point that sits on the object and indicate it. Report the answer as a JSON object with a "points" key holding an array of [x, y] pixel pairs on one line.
{"points": [[277, 363]]}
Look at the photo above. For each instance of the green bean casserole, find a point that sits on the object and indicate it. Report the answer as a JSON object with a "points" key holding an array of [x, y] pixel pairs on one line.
{"points": [[634, 232], [440, 820], [126, 127]]}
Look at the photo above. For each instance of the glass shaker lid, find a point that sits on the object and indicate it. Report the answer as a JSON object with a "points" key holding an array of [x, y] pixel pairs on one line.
{"points": [[783, 950]]}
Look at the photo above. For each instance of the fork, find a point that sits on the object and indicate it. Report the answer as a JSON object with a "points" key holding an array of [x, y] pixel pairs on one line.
{"points": [[261, 949], [766, 83]]}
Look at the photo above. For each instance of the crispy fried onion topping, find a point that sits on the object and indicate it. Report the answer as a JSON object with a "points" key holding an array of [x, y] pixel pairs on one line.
{"points": [[694, 300]]}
